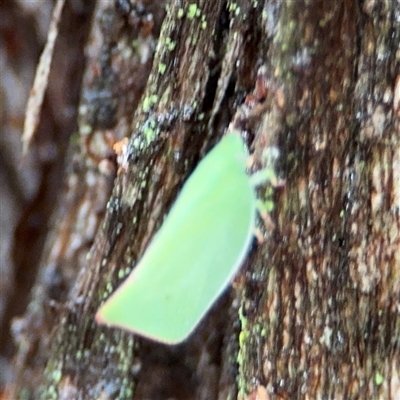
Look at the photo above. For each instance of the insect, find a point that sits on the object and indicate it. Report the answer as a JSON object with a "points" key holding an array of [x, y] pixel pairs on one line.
{"points": [[194, 255]]}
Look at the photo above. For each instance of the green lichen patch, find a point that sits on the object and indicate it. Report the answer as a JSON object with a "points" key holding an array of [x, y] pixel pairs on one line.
{"points": [[170, 44], [162, 68], [149, 101], [193, 11], [150, 130]]}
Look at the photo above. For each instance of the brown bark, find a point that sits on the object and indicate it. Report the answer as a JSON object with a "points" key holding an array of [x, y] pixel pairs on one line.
{"points": [[319, 298]]}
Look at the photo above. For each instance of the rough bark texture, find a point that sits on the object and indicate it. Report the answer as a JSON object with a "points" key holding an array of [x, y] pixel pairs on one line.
{"points": [[317, 302]]}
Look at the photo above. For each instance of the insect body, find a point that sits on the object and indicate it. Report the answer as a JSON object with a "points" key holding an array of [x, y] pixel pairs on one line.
{"points": [[195, 254]]}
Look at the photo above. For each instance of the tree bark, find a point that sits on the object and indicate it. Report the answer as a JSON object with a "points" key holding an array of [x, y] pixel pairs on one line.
{"points": [[315, 309]]}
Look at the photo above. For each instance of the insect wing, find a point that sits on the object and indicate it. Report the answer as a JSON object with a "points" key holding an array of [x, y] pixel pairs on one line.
{"points": [[194, 255]]}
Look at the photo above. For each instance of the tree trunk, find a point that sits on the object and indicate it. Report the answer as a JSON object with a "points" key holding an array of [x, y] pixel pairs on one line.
{"points": [[315, 310]]}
